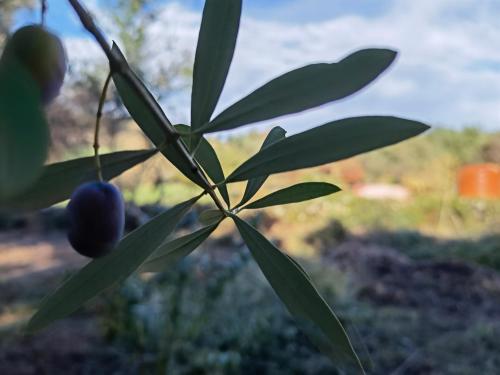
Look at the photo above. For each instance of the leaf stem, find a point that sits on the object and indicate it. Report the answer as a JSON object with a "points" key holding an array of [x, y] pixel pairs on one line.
{"points": [[98, 117], [117, 66], [43, 10]]}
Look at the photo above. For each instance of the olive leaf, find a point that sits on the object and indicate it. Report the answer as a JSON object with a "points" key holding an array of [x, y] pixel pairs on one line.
{"points": [[211, 216], [214, 53], [254, 184], [295, 289], [206, 156], [101, 273], [304, 88], [296, 193], [153, 123], [172, 251], [59, 180], [327, 143]]}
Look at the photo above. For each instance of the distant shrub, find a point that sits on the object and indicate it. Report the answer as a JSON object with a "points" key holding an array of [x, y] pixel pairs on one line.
{"points": [[484, 251]]}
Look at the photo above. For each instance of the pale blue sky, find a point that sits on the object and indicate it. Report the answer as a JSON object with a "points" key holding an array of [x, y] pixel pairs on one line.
{"points": [[447, 72], [61, 16]]}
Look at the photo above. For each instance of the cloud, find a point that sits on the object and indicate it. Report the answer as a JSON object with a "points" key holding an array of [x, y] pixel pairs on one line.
{"points": [[447, 72]]}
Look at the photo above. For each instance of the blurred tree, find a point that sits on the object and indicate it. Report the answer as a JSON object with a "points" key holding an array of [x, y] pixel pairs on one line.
{"points": [[132, 24], [7, 10], [491, 150], [131, 17], [72, 118]]}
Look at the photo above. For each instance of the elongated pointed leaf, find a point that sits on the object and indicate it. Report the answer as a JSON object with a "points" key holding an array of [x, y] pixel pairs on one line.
{"points": [[209, 217], [254, 184], [297, 264], [59, 180], [23, 129], [153, 126], [298, 293], [296, 193], [102, 273], [327, 143], [206, 156], [173, 251], [305, 88], [214, 53]]}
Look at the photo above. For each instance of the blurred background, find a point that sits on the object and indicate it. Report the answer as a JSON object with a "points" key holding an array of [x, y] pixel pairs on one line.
{"points": [[408, 254]]}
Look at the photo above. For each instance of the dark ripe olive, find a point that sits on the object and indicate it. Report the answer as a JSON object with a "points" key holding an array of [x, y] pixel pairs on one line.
{"points": [[96, 214]]}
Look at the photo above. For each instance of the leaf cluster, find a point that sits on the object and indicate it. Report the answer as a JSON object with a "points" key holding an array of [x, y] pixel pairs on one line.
{"points": [[149, 247]]}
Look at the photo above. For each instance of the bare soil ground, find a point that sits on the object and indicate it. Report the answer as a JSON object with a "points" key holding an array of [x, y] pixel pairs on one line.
{"points": [[31, 265]]}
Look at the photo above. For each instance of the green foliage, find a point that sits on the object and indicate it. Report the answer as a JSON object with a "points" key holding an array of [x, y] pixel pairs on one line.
{"points": [[171, 252], [101, 273], [183, 318], [254, 184], [296, 193], [208, 217], [327, 143], [490, 151], [131, 18], [440, 149], [23, 129], [148, 114], [299, 295], [227, 323], [305, 88], [484, 250], [214, 53], [59, 180], [209, 161], [193, 156]]}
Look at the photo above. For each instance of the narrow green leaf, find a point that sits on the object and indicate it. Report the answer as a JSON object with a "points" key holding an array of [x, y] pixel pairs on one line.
{"points": [[297, 264], [209, 217], [298, 294], [59, 180], [214, 53], [327, 143], [296, 193], [206, 156], [24, 133], [304, 88], [148, 122], [254, 184], [101, 273], [171, 252]]}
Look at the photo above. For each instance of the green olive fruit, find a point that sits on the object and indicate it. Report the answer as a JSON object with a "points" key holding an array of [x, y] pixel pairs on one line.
{"points": [[42, 53]]}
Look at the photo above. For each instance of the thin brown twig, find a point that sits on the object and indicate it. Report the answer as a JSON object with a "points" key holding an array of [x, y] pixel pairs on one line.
{"points": [[117, 65], [97, 127], [43, 10]]}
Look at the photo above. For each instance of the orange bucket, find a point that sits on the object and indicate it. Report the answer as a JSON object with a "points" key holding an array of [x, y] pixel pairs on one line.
{"points": [[479, 181]]}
